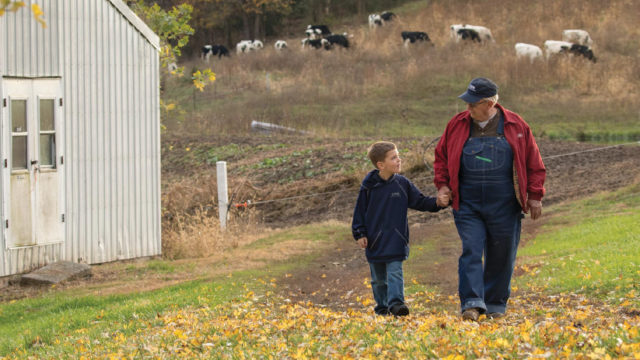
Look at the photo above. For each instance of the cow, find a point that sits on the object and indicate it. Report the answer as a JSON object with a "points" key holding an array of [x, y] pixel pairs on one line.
{"points": [[215, 50], [414, 36], [374, 21], [529, 51], [314, 43], [335, 39], [470, 32], [387, 16], [317, 31], [552, 47], [582, 50], [577, 36], [280, 45], [246, 46]]}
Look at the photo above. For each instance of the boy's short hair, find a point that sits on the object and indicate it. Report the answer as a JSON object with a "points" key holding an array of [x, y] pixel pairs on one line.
{"points": [[378, 151]]}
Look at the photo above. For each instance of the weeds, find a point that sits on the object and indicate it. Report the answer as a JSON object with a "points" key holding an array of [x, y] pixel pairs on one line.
{"points": [[200, 235]]}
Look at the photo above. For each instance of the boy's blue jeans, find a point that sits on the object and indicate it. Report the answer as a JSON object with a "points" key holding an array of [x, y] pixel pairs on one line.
{"points": [[387, 283]]}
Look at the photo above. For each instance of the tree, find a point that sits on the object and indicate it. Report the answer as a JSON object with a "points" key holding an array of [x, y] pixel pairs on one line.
{"points": [[174, 30], [224, 14], [13, 6]]}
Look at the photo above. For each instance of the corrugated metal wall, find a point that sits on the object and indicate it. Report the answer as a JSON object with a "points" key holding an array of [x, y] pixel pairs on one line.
{"points": [[110, 76], [28, 50]]}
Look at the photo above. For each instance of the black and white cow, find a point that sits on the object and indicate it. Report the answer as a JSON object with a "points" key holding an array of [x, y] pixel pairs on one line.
{"points": [[376, 20], [317, 31], [552, 47], [582, 50], [413, 37], [215, 50], [387, 16], [246, 46], [470, 32], [577, 36], [335, 39], [311, 43], [280, 45]]}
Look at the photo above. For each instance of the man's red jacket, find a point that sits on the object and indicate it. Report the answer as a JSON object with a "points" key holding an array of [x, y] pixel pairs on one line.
{"points": [[529, 169]]}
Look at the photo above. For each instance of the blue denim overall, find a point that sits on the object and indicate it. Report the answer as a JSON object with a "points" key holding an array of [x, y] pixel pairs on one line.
{"points": [[488, 223]]}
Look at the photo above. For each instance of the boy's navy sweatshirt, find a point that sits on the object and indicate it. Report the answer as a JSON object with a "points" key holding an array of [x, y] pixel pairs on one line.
{"points": [[381, 215]]}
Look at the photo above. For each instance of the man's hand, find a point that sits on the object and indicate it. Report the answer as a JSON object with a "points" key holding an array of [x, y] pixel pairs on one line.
{"points": [[535, 208], [362, 242], [444, 196]]}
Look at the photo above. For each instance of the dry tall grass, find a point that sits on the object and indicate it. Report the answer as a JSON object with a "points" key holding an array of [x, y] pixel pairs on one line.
{"points": [[311, 87], [199, 234]]}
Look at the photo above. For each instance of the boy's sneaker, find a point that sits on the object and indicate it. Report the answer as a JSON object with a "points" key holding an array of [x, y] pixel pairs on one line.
{"points": [[471, 314], [399, 310], [383, 312]]}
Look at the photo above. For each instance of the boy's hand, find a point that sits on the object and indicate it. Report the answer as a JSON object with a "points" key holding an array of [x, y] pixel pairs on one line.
{"points": [[444, 197], [362, 242]]}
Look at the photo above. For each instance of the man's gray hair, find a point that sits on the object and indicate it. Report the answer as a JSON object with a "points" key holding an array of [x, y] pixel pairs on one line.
{"points": [[493, 99]]}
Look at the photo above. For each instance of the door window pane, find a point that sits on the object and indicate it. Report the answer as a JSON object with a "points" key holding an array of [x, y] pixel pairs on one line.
{"points": [[46, 115], [19, 152], [48, 149], [19, 115]]}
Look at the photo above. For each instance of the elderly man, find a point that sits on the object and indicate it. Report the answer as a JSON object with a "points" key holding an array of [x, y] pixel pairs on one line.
{"points": [[488, 166]]}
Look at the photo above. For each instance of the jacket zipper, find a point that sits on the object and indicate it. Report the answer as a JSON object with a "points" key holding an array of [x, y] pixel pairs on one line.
{"points": [[376, 239], [402, 236]]}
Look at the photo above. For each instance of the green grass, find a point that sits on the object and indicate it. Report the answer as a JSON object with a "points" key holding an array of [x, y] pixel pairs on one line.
{"points": [[29, 323], [314, 233], [591, 247]]}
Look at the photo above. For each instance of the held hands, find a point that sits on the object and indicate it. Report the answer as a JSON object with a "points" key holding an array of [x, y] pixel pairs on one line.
{"points": [[535, 208], [362, 242], [444, 197]]}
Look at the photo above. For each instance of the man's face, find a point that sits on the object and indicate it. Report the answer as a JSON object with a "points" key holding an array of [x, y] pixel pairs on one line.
{"points": [[481, 110]]}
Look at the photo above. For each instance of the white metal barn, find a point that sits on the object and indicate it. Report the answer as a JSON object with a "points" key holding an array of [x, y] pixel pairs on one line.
{"points": [[80, 135]]}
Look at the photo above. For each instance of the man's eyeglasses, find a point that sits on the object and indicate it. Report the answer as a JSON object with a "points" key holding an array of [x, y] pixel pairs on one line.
{"points": [[476, 104]]}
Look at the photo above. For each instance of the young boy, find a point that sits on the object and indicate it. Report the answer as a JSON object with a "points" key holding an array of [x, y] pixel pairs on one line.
{"points": [[380, 225]]}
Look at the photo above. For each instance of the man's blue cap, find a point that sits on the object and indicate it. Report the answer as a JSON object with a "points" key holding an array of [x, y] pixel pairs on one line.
{"points": [[479, 88]]}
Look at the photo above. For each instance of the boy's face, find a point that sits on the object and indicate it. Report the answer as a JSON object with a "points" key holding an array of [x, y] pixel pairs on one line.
{"points": [[392, 162]]}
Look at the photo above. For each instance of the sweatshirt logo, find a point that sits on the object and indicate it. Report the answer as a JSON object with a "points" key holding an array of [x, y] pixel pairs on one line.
{"points": [[395, 195]]}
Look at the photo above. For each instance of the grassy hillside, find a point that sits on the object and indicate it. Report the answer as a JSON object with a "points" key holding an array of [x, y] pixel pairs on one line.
{"points": [[377, 88]]}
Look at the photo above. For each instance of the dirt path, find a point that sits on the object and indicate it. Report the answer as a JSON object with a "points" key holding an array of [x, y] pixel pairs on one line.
{"points": [[338, 278]]}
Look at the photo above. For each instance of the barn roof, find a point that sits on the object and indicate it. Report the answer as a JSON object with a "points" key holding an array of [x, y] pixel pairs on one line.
{"points": [[137, 22]]}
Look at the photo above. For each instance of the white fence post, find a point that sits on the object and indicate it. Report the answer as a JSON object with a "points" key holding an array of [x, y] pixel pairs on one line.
{"points": [[223, 195]]}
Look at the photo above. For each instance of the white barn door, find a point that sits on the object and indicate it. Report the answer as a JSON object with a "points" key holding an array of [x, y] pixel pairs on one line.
{"points": [[33, 208]]}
